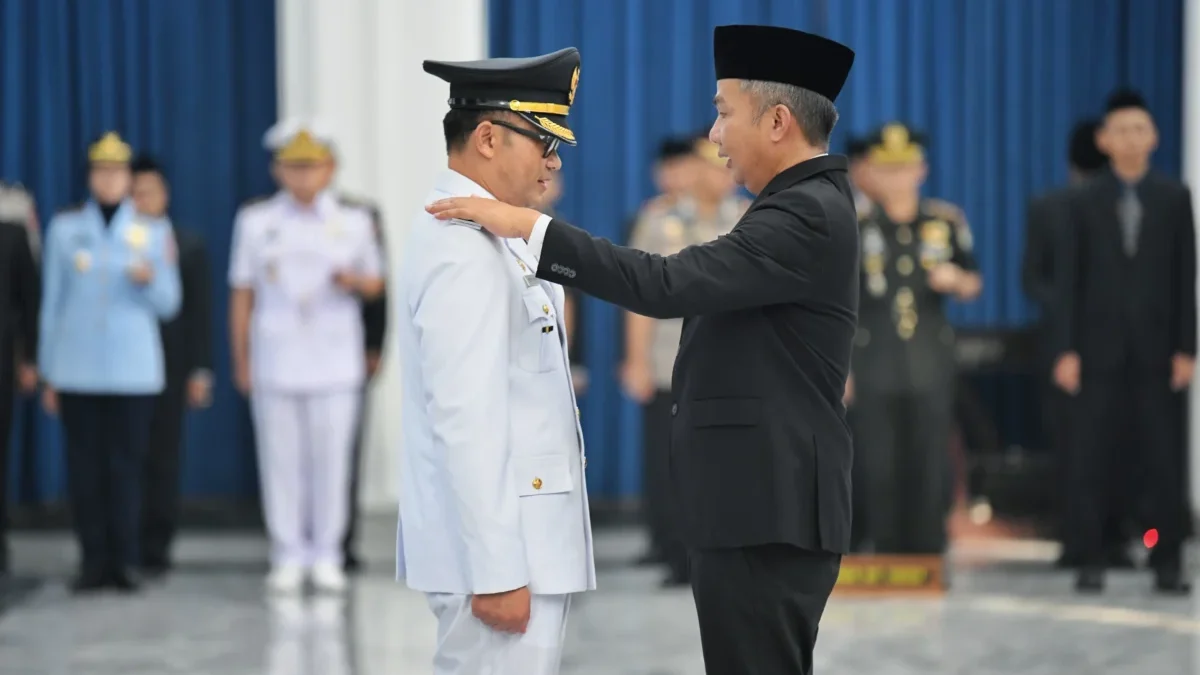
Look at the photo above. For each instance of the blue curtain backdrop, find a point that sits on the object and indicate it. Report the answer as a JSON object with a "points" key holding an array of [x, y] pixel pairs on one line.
{"points": [[996, 84], [192, 81]]}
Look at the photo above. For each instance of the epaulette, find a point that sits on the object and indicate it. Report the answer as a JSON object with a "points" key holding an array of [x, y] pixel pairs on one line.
{"points": [[940, 208], [357, 202], [254, 201], [656, 205], [71, 208], [464, 223]]}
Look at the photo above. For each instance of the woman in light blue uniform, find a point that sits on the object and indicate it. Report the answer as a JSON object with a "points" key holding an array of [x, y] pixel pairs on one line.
{"points": [[110, 276]]}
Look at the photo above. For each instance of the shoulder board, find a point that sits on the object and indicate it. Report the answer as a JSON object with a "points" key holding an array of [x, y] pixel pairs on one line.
{"points": [[356, 202], [940, 208], [72, 208], [254, 201], [464, 223]]}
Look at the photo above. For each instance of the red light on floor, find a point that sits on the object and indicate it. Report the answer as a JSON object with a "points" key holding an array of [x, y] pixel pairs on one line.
{"points": [[1150, 538]]}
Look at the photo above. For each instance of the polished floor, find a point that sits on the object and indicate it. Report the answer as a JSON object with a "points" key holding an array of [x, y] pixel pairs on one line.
{"points": [[212, 618]]}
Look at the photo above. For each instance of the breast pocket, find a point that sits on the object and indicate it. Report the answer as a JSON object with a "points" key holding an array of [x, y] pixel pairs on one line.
{"points": [[537, 348], [542, 474]]}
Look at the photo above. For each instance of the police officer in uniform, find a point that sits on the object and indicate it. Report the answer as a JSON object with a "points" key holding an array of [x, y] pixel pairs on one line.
{"points": [[374, 318], [110, 276], [302, 263], [20, 290], [914, 256], [709, 207]]}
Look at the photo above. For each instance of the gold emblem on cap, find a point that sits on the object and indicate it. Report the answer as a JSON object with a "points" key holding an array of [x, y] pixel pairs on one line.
{"points": [[710, 151], [574, 85], [556, 129], [110, 148], [303, 147], [896, 146]]}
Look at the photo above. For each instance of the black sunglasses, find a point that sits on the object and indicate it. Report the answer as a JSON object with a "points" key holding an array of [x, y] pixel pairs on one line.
{"points": [[550, 143]]}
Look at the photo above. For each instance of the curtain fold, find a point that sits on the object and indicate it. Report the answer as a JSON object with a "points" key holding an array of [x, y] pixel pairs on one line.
{"points": [[192, 81], [996, 84]]}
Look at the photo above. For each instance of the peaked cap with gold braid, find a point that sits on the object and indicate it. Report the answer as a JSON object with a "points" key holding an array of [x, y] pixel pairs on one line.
{"points": [[541, 88], [299, 141], [896, 143], [110, 149]]}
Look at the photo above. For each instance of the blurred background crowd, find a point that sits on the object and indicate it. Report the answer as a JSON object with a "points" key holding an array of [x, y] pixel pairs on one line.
{"points": [[1027, 326]]}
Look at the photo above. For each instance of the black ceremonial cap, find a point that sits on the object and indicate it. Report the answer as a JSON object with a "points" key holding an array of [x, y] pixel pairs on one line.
{"points": [[1083, 153], [783, 55], [1123, 99], [674, 147], [541, 88], [857, 147]]}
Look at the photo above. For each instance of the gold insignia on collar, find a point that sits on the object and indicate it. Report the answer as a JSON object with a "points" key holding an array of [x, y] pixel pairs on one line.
{"points": [[556, 129], [574, 85]]}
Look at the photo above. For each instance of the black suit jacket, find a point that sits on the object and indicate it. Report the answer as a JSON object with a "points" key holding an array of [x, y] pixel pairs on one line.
{"points": [[1046, 216], [1116, 311], [20, 294], [760, 450], [187, 338], [374, 312]]}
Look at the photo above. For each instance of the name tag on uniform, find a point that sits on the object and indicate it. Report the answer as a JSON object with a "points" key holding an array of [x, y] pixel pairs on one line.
{"points": [[465, 223], [530, 280]]}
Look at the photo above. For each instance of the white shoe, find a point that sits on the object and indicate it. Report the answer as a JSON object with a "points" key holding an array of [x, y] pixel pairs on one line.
{"points": [[286, 579], [328, 577]]}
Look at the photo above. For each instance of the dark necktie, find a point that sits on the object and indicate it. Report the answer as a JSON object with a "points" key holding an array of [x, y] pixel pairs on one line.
{"points": [[1129, 211]]}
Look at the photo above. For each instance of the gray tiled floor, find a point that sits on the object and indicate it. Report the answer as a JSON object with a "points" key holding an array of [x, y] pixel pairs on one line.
{"points": [[213, 619]]}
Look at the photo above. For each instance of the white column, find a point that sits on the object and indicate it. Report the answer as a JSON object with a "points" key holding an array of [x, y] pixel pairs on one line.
{"points": [[1191, 174], [356, 65]]}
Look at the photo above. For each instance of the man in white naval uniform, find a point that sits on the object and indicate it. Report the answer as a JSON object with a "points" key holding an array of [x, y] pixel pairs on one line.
{"points": [[301, 264], [494, 523]]}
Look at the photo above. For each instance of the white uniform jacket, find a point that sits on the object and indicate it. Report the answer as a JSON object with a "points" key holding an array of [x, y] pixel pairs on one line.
{"points": [[492, 493]]}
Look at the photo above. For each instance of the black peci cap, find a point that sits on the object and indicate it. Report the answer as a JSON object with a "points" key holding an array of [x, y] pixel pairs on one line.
{"points": [[1123, 99], [783, 55], [541, 88], [1083, 153], [674, 147]]}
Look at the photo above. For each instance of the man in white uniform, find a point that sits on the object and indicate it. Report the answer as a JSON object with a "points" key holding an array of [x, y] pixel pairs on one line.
{"points": [[494, 523], [302, 262]]}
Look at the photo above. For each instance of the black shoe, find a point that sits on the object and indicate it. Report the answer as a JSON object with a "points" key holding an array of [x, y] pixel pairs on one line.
{"points": [[1170, 581], [1090, 580], [1119, 559], [351, 563], [649, 559], [88, 582], [125, 581]]}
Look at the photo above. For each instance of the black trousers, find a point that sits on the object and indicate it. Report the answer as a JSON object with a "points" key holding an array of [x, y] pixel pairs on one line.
{"points": [[904, 439], [107, 437], [656, 448], [160, 493], [760, 607], [349, 542], [8, 386], [859, 528], [1126, 442]]}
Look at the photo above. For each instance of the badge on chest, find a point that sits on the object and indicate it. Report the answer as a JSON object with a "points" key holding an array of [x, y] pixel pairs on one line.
{"points": [[873, 260], [935, 243]]}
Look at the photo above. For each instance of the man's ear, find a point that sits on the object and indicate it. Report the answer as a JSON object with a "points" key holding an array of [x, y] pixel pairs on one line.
{"points": [[486, 139], [781, 120]]}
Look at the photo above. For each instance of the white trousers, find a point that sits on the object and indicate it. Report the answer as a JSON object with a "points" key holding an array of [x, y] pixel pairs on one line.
{"points": [[467, 646], [305, 444]]}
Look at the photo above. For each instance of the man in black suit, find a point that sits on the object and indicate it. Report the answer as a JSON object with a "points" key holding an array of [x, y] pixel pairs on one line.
{"points": [[1047, 214], [760, 451], [187, 350], [1124, 331], [374, 317], [20, 297]]}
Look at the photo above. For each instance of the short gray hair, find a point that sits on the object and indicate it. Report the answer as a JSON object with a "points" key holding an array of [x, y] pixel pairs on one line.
{"points": [[815, 114]]}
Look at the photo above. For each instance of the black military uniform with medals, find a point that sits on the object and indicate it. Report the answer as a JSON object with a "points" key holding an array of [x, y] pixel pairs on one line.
{"points": [[904, 368], [374, 318], [760, 451]]}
